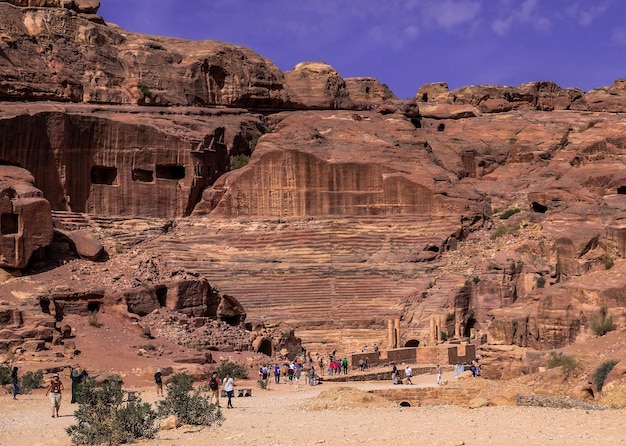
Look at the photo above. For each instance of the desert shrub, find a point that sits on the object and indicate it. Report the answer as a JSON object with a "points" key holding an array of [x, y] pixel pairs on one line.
{"points": [[105, 418], [566, 362], [508, 213], [144, 89], [502, 230], [236, 370], [602, 323], [599, 376], [238, 161], [5, 374], [262, 383], [541, 282], [444, 336], [181, 381], [31, 380], [475, 279], [93, 319], [608, 261], [190, 406]]}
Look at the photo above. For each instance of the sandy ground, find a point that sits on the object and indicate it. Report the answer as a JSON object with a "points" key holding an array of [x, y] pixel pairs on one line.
{"points": [[281, 415]]}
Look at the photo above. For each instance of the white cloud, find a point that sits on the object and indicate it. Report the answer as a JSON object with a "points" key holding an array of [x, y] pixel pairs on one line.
{"points": [[585, 16], [619, 36], [529, 14], [451, 13]]}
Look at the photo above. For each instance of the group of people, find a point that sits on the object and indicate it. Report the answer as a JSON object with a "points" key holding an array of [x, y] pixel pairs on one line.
{"points": [[336, 366], [228, 386], [55, 388]]}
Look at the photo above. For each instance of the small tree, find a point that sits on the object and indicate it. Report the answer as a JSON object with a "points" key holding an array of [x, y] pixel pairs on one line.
{"points": [[190, 406], [236, 370], [602, 323], [31, 380], [104, 418], [602, 372]]}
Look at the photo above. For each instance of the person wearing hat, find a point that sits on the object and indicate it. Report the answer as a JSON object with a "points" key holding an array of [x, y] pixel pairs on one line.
{"points": [[54, 390]]}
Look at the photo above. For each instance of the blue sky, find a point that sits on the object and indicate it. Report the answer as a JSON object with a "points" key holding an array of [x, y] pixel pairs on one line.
{"points": [[407, 43]]}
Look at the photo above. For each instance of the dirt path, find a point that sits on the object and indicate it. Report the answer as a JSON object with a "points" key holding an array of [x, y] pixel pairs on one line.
{"points": [[279, 416]]}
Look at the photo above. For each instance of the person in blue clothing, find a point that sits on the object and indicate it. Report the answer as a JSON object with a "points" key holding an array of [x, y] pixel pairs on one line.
{"points": [[276, 374]]}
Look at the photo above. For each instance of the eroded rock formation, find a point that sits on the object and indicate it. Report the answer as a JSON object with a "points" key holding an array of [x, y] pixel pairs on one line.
{"points": [[486, 214]]}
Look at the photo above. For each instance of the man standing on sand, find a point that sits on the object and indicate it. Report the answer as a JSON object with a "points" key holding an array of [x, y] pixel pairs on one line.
{"points": [[54, 390], [158, 382], [439, 377], [214, 389], [15, 381], [394, 374]]}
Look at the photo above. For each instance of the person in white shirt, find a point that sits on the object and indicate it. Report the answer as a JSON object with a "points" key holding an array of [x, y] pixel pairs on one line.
{"points": [[408, 372], [229, 388]]}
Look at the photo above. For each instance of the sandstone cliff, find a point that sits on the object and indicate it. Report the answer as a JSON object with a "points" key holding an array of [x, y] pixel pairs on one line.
{"points": [[490, 214]]}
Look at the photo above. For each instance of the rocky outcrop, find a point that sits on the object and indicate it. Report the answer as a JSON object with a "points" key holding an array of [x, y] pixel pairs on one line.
{"points": [[125, 161], [96, 63], [25, 218], [488, 213], [319, 86]]}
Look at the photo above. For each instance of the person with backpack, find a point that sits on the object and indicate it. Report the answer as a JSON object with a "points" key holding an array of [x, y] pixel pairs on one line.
{"points": [[214, 389], [158, 382]]}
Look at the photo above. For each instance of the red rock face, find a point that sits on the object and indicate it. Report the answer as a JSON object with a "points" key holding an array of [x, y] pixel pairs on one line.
{"points": [[485, 213], [25, 219], [102, 162]]}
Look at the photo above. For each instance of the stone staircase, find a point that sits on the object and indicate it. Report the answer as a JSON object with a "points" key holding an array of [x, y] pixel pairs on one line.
{"points": [[115, 233], [337, 281], [355, 272]]}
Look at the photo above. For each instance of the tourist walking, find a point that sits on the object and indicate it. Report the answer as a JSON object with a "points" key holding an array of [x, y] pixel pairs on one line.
{"points": [[229, 388], [439, 375], [408, 373], [344, 363], [54, 392], [276, 374], [15, 382], [394, 374], [214, 389]]}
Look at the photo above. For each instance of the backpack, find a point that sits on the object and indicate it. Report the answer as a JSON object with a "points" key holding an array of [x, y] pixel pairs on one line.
{"points": [[213, 385]]}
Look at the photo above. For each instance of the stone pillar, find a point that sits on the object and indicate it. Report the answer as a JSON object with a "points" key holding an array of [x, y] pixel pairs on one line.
{"points": [[397, 332], [390, 334]]}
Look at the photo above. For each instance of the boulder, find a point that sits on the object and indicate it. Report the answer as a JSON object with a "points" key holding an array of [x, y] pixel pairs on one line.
{"points": [[87, 246]]}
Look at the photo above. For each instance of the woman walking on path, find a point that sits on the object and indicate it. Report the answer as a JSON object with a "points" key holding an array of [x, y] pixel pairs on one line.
{"points": [[54, 390], [229, 388]]}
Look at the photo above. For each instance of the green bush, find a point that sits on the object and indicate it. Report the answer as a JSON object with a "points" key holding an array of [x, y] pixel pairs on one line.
{"points": [[181, 381], [190, 406], [602, 323], [599, 376], [541, 282], [608, 261], [502, 230], [5, 374], [238, 161], [476, 279], [31, 380], [144, 89], [262, 383], [508, 213], [236, 370], [105, 418], [566, 362]]}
